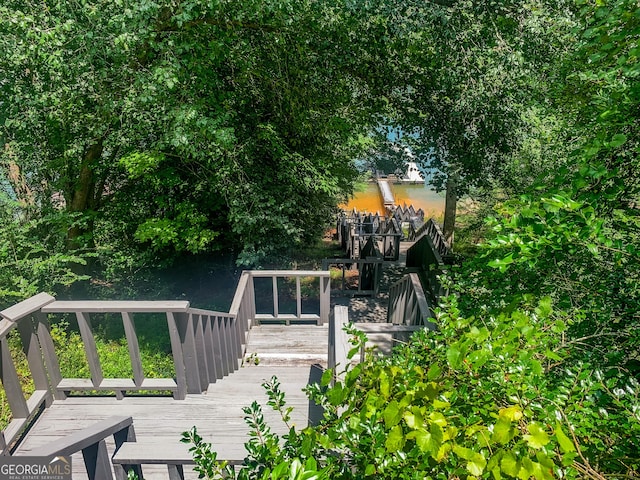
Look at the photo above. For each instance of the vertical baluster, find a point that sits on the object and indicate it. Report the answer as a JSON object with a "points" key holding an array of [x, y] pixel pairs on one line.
{"points": [[298, 298], [86, 332], [12, 388], [187, 339], [224, 344], [49, 354], [178, 360], [203, 364], [276, 313], [31, 348], [325, 291], [212, 347], [134, 348]]}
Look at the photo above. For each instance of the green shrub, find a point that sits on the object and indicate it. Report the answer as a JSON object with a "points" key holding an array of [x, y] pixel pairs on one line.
{"points": [[493, 397]]}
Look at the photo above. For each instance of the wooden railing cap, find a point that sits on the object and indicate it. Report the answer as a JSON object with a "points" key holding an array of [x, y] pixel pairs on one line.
{"points": [[103, 306], [26, 307]]}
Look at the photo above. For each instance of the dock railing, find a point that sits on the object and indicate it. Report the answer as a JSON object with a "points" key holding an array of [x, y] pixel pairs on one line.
{"points": [[424, 257], [408, 304]]}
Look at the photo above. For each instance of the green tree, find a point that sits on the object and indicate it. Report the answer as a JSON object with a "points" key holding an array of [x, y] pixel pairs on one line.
{"points": [[203, 119]]}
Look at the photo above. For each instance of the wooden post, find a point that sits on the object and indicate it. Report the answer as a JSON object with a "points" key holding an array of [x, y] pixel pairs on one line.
{"points": [[178, 359], [49, 354], [31, 348], [451, 200], [325, 293], [96, 460]]}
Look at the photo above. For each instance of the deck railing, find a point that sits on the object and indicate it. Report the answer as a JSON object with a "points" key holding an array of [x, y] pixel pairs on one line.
{"points": [[431, 229], [424, 256], [244, 302], [408, 304], [205, 345], [91, 441], [356, 229], [369, 274], [23, 409]]}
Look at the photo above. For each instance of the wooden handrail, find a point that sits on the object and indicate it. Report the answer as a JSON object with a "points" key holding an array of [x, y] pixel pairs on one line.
{"points": [[91, 442], [87, 437], [115, 306], [408, 303]]}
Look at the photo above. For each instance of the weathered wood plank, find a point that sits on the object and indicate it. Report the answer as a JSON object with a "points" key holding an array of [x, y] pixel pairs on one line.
{"points": [[116, 306], [387, 328], [6, 326], [189, 355], [338, 340], [298, 298], [85, 437], [26, 307], [11, 383], [208, 345], [176, 453], [289, 273], [116, 384], [91, 351], [134, 348], [96, 461], [238, 298], [31, 349], [274, 281], [48, 353], [178, 359], [215, 347], [325, 292], [306, 317], [201, 355]]}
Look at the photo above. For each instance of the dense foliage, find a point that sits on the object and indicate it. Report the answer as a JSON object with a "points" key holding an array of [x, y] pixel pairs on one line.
{"points": [[486, 397], [137, 130], [187, 126]]}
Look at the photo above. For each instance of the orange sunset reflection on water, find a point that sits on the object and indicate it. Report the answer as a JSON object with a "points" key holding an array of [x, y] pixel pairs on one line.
{"points": [[418, 195]]}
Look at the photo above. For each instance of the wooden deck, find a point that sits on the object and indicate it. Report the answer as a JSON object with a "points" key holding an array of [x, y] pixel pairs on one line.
{"points": [[220, 362], [160, 421]]}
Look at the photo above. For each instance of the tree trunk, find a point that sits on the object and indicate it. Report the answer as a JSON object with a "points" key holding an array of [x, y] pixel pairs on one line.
{"points": [[450, 205], [83, 194]]}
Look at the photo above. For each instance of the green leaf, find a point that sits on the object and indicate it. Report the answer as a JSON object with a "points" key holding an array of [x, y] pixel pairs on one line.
{"points": [[395, 439], [509, 464], [475, 460], [392, 414], [618, 140], [512, 414], [430, 441], [454, 356], [537, 437], [566, 445], [503, 431]]}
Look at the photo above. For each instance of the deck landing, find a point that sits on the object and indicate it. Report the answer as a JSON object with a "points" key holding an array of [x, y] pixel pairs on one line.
{"points": [[161, 420]]}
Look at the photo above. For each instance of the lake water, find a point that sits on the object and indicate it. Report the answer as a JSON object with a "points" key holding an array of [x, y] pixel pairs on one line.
{"points": [[418, 195]]}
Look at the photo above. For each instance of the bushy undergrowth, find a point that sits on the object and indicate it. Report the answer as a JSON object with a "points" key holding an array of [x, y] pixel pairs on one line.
{"points": [[489, 397]]}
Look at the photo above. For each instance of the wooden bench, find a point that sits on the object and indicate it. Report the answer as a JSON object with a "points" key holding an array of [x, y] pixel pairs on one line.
{"points": [[132, 455]]}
